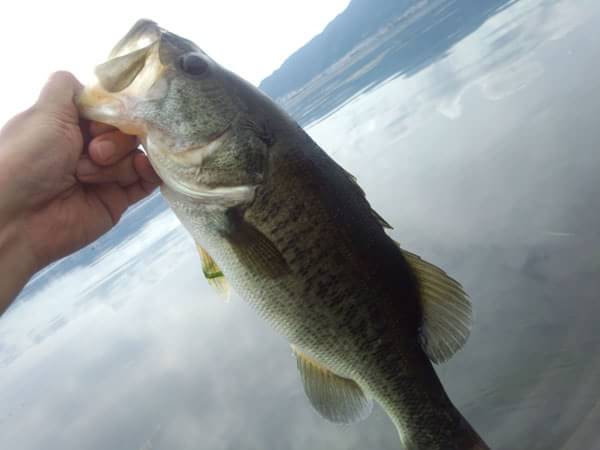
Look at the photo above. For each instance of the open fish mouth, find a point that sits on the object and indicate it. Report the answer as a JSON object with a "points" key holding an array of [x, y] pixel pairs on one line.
{"points": [[143, 34], [132, 71]]}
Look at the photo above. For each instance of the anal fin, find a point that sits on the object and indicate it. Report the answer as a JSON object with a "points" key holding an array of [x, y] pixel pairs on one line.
{"points": [[335, 398], [213, 274]]}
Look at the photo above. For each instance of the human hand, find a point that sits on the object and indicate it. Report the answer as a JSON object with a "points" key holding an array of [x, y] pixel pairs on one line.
{"points": [[58, 194]]}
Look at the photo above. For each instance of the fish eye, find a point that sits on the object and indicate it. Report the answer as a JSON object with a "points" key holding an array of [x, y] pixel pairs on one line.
{"points": [[193, 64]]}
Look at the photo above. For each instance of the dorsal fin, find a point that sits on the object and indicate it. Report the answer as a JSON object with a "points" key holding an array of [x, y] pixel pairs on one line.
{"points": [[213, 274], [446, 310], [336, 398], [375, 214]]}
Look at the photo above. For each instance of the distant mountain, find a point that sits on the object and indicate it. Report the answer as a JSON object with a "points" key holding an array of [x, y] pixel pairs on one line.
{"points": [[360, 19], [370, 41]]}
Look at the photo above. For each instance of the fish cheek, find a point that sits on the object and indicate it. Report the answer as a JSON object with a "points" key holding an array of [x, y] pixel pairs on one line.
{"points": [[238, 165]]}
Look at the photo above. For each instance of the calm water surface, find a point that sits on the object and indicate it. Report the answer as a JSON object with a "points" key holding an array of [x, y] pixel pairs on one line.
{"points": [[485, 162]]}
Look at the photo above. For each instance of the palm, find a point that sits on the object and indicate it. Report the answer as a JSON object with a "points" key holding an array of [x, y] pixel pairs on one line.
{"points": [[64, 198], [68, 222]]}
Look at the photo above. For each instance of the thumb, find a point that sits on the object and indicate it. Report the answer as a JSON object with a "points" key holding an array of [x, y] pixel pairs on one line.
{"points": [[58, 96]]}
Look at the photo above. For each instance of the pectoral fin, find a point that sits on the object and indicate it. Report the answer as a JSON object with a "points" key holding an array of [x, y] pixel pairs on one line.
{"points": [[446, 310], [213, 274], [336, 398], [254, 249]]}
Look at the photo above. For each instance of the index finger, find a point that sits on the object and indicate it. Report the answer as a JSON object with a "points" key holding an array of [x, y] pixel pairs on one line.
{"points": [[58, 94], [98, 128], [111, 147]]}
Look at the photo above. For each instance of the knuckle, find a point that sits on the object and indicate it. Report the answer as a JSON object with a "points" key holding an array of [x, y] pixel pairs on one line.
{"points": [[62, 77]]}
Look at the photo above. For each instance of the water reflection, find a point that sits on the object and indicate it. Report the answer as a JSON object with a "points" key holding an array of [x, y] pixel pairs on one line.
{"points": [[420, 33], [485, 162]]}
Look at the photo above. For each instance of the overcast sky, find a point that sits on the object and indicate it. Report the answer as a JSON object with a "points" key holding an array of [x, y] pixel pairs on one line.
{"points": [[250, 38]]}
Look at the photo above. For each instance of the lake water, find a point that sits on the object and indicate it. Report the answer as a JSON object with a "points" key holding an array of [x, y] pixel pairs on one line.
{"points": [[485, 161]]}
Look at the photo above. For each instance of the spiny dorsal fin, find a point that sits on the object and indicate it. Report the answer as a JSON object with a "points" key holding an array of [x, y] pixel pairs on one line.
{"points": [[336, 398], [446, 310], [381, 220], [354, 181], [213, 274]]}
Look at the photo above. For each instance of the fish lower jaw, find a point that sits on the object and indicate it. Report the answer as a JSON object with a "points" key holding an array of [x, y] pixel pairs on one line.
{"points": [[131, 128], [96, 104]]}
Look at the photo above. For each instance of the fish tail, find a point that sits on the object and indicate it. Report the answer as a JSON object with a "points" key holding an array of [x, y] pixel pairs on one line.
{"points": [[457, 434], [451, 431], [425, 417]]}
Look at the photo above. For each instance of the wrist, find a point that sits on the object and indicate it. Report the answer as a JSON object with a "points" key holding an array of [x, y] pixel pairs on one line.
{"points": [[11, 200], [17, 262]]}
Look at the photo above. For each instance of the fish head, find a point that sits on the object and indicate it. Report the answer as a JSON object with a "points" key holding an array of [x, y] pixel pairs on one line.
{"points": [[185, 108]]}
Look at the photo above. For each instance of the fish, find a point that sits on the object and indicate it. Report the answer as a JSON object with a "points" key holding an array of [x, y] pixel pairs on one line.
{"points": [[292, 232]]}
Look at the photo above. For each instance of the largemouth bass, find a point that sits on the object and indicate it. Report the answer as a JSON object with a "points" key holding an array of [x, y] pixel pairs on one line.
{"points": [[294, 235]]}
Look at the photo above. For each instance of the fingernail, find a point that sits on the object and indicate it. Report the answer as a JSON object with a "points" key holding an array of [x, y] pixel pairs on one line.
{"points": [[85, 167], [105, 150]]}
